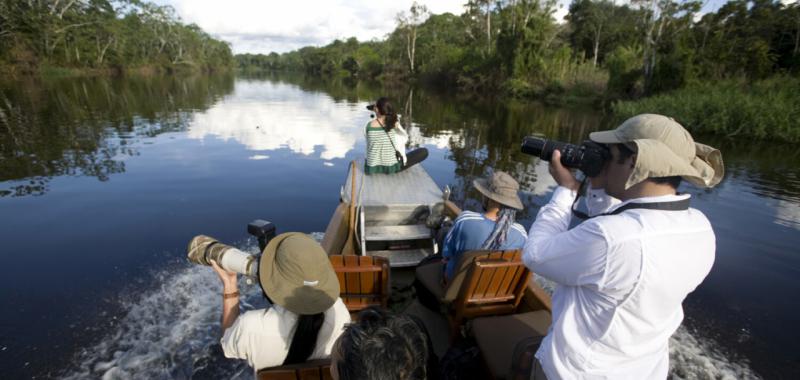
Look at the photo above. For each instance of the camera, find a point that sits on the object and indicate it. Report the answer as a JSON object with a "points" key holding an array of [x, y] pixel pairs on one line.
{"points": [[371, 107], [203, 249], [590, 157]]}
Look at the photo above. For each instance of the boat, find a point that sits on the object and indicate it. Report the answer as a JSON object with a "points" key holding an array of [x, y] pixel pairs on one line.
{"points": [[395, 219]]}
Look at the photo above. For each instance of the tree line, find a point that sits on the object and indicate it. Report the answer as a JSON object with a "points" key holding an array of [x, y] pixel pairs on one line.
{"points": [[604, 49], [104, 34]]}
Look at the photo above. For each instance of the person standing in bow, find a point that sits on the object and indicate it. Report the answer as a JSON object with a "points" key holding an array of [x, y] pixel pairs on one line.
{"points": [[386, 150], [622, 275]]}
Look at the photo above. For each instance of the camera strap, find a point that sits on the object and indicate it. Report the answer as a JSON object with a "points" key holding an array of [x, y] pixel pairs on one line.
{"points": [[680, 205], [397, 154]]}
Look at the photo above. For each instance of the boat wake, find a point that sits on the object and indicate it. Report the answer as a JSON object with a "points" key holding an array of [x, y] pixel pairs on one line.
{"points": [[172, 331]]}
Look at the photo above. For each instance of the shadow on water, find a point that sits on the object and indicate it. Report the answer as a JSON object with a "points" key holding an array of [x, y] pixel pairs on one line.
{"points": [[84, 126]]}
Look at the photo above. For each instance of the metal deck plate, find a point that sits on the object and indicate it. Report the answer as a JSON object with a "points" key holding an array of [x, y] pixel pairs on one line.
{"points": [[412, 186], [392, 233], [403, 258]]}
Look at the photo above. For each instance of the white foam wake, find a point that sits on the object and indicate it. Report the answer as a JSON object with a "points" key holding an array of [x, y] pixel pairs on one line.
{"points": [[692, 357], [171, 332], [167, 333]]}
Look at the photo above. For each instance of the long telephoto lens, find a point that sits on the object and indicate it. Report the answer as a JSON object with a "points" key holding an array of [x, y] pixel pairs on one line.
{"points": [[203, 249], [543, 148], [589, 157]]}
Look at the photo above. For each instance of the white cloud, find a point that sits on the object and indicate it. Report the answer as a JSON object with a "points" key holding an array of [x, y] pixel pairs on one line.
{"points": [[262, 26], [266, 116]]}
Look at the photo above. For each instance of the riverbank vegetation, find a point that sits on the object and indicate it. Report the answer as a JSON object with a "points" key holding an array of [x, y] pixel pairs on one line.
{"points": [[603, 52], [767, 109], [55, 37]]}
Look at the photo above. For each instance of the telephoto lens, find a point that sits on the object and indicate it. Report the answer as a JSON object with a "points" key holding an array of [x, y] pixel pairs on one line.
{"points": [[202, 249], [590, 157]]}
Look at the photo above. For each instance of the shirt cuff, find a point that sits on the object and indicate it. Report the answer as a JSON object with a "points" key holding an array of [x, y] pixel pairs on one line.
{"points": [[563, 197]]}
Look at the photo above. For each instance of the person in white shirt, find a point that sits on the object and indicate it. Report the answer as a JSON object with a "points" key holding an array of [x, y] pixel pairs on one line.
{"points": [[622, 275], [306, 315]]}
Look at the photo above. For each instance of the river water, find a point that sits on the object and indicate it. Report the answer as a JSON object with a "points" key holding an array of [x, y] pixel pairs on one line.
{"points": [[103, 182]]}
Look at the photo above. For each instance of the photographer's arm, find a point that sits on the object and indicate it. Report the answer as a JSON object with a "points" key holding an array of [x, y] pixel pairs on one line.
{"points": [[230, 296], [569, 257]]}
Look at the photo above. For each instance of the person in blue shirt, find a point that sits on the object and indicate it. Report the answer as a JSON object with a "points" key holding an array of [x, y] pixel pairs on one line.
{"points": [[495, 229]]}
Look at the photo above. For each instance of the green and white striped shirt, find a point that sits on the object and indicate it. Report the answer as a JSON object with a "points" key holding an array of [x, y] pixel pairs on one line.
{"points": [[381, 156]]}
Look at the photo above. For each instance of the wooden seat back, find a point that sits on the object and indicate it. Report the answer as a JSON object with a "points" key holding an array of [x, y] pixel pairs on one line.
{"points": [[363, 281], [310, 370], [493, 285]]}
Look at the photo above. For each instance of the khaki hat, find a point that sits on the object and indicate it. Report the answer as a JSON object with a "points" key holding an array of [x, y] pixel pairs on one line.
{"points": [[665, 149], [296, 273], [501, 188]]}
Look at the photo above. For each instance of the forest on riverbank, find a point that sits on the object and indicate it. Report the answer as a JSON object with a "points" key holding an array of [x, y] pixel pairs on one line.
{"points": [[607, 53], [103, 36]]}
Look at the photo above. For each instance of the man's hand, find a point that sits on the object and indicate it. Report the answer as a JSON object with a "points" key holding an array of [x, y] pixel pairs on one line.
{"points": [[561, 174], [228, 278]]}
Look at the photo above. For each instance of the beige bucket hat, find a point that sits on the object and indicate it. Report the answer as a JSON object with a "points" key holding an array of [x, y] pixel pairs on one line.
{"points": [[664, 149], [501, 188], [296, 273]]}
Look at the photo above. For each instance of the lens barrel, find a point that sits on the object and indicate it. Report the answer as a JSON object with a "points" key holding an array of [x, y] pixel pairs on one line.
{"points": [[203, 249], [589, 157]]}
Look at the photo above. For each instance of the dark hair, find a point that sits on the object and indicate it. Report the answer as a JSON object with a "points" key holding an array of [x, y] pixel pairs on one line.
{"points": [[305, 338], [382, 345], [625, 152], [305, 335], [386, 109]]}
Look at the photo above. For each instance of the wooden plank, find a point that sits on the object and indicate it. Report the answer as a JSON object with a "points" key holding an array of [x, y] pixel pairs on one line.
{"points": [[483, 282], [497, 279], [309, 373], [280, 374], [353, 283]]}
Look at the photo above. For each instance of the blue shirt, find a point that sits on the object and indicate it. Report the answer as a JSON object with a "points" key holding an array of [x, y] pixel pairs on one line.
{"points": [[469, 232]]}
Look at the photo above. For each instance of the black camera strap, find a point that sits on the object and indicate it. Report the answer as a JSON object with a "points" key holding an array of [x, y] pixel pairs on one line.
{"points": [[397, 154], [679, 205]]}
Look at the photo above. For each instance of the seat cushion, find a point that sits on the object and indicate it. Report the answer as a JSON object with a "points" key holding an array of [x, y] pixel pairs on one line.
{"points": [[498, 336], [430, 276]]}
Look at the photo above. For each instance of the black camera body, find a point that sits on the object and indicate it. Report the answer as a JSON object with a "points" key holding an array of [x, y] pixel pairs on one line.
{"points": [[589, 157]]}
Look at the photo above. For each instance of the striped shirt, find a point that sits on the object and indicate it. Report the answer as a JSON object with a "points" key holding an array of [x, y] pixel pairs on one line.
{"points": [[469, 232], [381, 156]]}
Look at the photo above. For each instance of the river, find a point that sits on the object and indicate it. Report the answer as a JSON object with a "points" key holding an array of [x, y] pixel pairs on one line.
{"points": [[103, 182]]}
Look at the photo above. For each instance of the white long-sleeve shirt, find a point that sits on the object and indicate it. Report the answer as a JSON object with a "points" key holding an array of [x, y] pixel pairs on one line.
{"points": [[621, 280]]}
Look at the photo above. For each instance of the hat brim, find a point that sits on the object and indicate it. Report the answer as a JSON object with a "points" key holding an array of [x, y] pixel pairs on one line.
{"points": [[654, 159], [605, 137], [482, 185], [288, 292]]}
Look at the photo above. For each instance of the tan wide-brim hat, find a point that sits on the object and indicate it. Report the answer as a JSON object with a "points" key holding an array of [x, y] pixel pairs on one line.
{"points": [[296, 273], [500, 187], [665, 149]]}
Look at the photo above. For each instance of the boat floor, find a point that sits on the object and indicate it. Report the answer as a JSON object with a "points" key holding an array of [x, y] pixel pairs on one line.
{"points": [[404, 300], [413, 186]]}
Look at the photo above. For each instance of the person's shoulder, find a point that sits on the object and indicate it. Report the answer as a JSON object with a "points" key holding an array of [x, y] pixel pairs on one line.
{"points": [[468, 215], [521, 230]]}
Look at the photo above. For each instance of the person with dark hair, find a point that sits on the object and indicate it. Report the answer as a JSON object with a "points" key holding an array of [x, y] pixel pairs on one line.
{"points": [[385, 346], [495, 229], [623, 274], [386, 150], [306, 314]]}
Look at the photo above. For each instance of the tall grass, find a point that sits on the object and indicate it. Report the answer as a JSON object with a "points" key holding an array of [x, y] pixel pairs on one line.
{"points": [[764, 110]]}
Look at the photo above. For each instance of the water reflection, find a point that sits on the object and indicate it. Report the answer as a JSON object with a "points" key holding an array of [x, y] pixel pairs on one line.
{"points": [[87, 126], [266, 116]]}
